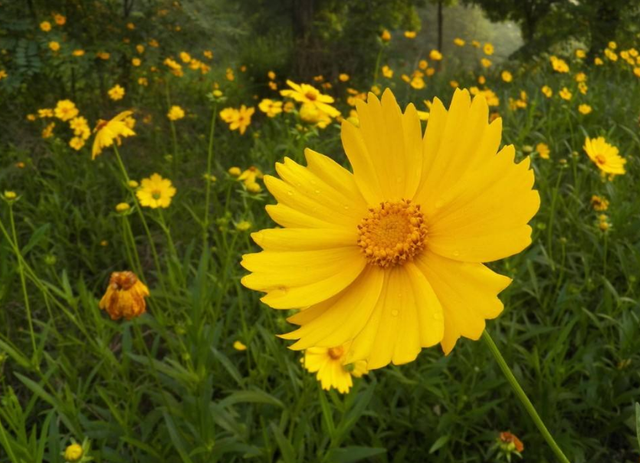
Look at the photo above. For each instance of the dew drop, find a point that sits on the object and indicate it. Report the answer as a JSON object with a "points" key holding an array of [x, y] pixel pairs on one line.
{"points": [[290, 193], [346, 208], [394, 312], [317, 192], [456, 253]]}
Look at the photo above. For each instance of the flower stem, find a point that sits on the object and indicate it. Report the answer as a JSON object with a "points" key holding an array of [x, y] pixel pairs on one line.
{"points": [[205, 226], [526, 403]]}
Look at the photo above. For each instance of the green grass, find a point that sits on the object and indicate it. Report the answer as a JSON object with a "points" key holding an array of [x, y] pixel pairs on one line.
{"points": [[170, 387]]}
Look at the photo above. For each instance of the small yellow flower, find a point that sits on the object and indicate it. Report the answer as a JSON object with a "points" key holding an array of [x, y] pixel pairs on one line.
{"points": [[136, 62], [417, 82], [45, 26], [580, 54], [3, 74], [239, 119], [66, 110], [122, 207], [253, 187], [133, 184], [603, 223], [599, 204], [605, 156], [116, 93], [458, 42], [59, 19], [559, 65], [584, 109], [546, 91], [543, 150], [331, 368], [76, 143], [388, 72], [73, 453], [485, 62], [78, 52], [343, 77], [10, 195], [304, 93], [237, 345], [243, 226], [488, 49], [270, 107], [475, 44], [598, 61], [235, 171], [48, 130], [155, 192], [410, 34], [175, 113], [229, 75], [125, 296], [385, 36], [506, 76], [565, 93], [435, 55], [54, 46], [106, 132]]}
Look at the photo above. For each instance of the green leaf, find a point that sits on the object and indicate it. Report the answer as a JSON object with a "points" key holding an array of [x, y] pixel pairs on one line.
{"points": [[438, 444], [353, 454], [286, 449], [638, 423]]}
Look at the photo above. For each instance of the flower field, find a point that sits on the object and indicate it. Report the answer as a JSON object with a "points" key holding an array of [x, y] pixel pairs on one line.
{"points": [[211, 254]]}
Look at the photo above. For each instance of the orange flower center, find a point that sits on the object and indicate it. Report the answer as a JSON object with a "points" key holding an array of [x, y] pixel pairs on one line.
{"points": [[336, 352], [393, 233], [600, 159], [311, 95]]}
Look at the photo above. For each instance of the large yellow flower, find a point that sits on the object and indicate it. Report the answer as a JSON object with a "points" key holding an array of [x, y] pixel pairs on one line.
{"points": [[106, 132], [304, 93], [329, 364], [605, 156], [391, 256]]}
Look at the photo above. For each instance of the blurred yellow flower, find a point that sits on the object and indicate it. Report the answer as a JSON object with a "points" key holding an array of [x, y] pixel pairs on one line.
{"points": [[488, 49], [237, 345], [125, 296], [155, 192], [388, 72], [559, 65], [410, 34], [10, 195], [580, 77], [584, 109], [140, 49], [116, 93], [343, 77], [605, 156], [543, 150], [417, 82], [65, 110], [253, 188], [230, 76], [54, 46], [136, 62], [243, 225], [73, 453], [485, 62], [175, 113], [475, 44], [304, 93], [598, 61], [392, 294], [45, 26], [208, 54], [636, 72], [580, 54], [582, 88], [435, 55], [250, 175], [565, 94], [270, 107], [458, 42], [103, 55], [385, 36], [132, 184], [106, 132], [598, 203], [76, 143], [234, 171], [331, 368], [78, 52], [546, 91], [80, 127], [506, 76], [122, 207], [48, 130], [238, 119]]}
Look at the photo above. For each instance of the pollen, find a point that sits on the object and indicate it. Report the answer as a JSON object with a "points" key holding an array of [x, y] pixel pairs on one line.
{"points": [[393, 233], [336, 352]]}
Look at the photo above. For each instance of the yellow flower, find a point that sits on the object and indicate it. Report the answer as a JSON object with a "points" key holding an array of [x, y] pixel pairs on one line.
{"points": [[605, 156], [343, 77], [10, 195], [410, 34], [435, 55], [59, 19], [598, 61], [175, 113], [580, 54], [311, 114], [237, 345], [243, 225], [388, 72], [116, 93], [636, 72], [612, 45], [584, 109], [482, 80], [488, 49], [73, 453], [304, 93], [132, 184], [124, 296], [565, 93], [417, 82], [543, 150], [580, 77], [253, 188], [54, 46], [103, 55], [475, 44], [250, 175], [270, 107], [239, 119], [234, 171], [80, 127], [582, 87], [3, 74], [136, 62], [78, 52], [185, 57], [459, 42], [65, 110], [48, 130], [603, 223], [485, 62], [122, 207], [506, 76], [155, 192], [45, 26], [546, 91], [559, 65], [106, 132], [599, 203], [393, 254], [76, 143], [330, 365], [385, 36], [229, 75]]}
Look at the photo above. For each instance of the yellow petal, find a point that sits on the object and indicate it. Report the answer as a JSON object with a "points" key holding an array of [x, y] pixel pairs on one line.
{"points": [[468, 293], [304, 239]]}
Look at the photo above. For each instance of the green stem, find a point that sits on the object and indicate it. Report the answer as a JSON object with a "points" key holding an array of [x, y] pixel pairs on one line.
{"points": [[23, 280], [526, 403], [205, 224]]}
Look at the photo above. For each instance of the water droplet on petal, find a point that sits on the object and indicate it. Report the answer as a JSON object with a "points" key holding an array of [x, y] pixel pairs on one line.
{"points": [[290, 193], [346, 208], [456, 253]]}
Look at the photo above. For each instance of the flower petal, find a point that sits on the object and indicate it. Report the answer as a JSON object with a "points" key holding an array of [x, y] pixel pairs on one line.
{"points": [[468, 294]]}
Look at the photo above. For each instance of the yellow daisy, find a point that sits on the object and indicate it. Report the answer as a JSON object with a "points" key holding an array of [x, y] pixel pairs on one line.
{"points": [[304, 93], [605, 156], [329, 364], [391, 257], [106, 132], [155, 192]]}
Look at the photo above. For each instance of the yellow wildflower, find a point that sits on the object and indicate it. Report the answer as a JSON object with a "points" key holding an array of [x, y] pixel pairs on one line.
{"points": [[155, 192], [106, 132], [125, 296]]}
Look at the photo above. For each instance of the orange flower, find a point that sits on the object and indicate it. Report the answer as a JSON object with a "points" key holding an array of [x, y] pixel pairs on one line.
{"points": [[124, 296], [511, 440]]}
